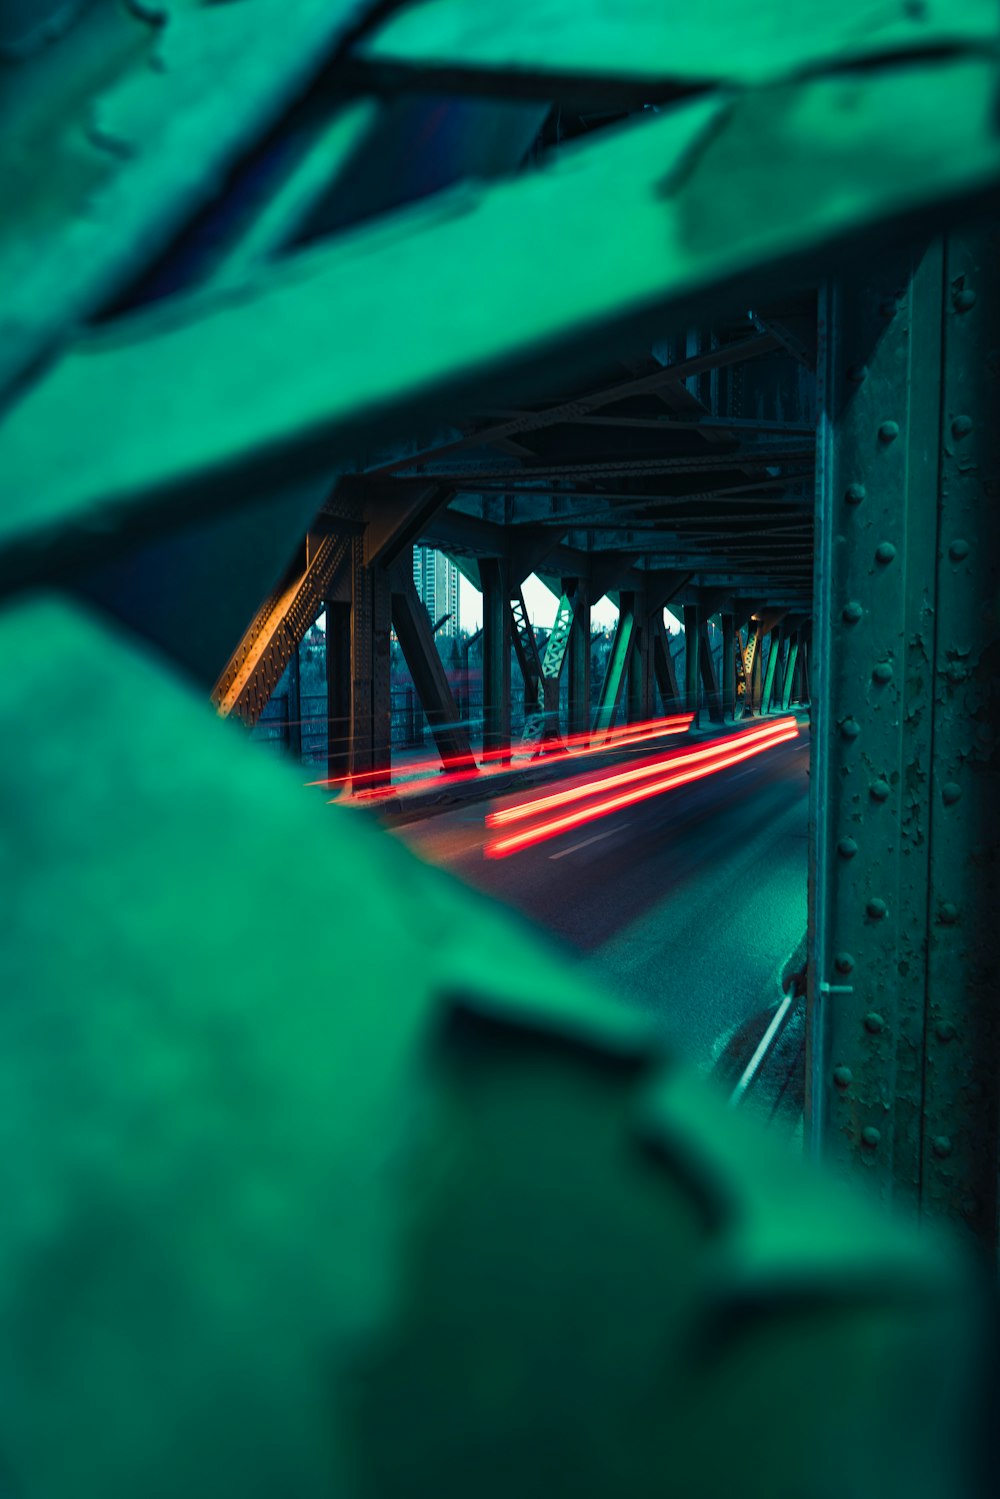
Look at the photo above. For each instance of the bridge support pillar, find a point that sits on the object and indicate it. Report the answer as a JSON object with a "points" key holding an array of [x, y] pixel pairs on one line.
{"points": [[338, 690], [710, 681], [579, 656], [371, 619], [692, 668], [495, 576], [728, 683], [639, 704], [903, 1034]]}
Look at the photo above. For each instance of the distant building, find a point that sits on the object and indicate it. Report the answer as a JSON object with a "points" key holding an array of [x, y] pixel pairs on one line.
{"points": [[435, 578]]}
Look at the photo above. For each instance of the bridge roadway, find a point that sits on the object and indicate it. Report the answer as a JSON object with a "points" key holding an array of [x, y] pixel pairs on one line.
{"points": [[685, 905]]}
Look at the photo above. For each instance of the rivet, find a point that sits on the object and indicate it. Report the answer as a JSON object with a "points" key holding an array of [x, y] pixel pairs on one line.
{"points": [[874, 1022], [847, 848], [941, 1146], [945, 1031], [843, 1077], [844, 962], [885, 552], [870, 1137], [882, 672], [854, 494], [951, 792], [955, 672], [964, 299], [888, 432], [851, 612], [850, 728], [948, 913], [958, 551], [877, 909], [880, 790], [961, 426], [856, 373]]}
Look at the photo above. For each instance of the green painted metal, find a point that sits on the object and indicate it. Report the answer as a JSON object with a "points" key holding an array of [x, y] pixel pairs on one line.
{"points": [[730, 646], [904, 1042], [579, 657], [709, 679], [495, 576], [692, 669], [616, 672], [771, 674], [788, 686], [349, 1215], [663, 666], [203, 404], [625, 52]]}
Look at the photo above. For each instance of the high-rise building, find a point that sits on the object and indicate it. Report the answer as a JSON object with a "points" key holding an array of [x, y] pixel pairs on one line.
{"points": [[435, 578]]}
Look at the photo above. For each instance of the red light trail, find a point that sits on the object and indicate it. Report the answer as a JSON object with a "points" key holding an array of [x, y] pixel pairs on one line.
{"points": [[678, 770]]}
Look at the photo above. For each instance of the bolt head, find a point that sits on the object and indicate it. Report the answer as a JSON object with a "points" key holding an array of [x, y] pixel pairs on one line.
{"points": [[882, 672], [885, 552], [854, 494], [844, 962], [945, 1031], [948, 913], [843, 1077], [874, 1023], [880, 791], [964, 299], [941, 1146], [951, 792], [877, 909], [888, 432], [961, 426], [850, 728], [847, 848], [959, 550], [852, 612], [870, 1137]]}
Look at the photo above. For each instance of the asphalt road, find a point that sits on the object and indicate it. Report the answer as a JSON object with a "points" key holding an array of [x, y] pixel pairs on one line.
{"points": [[685, 905]]}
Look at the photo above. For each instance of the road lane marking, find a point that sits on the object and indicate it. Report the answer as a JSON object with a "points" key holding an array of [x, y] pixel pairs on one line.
{"points": [[595, 839]]}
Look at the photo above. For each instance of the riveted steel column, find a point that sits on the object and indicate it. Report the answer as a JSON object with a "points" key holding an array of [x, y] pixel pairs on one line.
{"points": [[788, 690], [728, 683], [877, 459], [371, 617], [692, 668], [338, 690], [579, 656], [494, 575], [639, 705], [959, 1159]]}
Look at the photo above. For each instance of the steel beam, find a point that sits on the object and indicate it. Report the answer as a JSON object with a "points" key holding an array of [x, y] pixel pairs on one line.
{"points": [[790, 676], [338, 689], [579, 657], [371, 619], [710, 682], [903, 1037], [771, 673], [692, 669], [617, 667], [294, 703], [496, 658], [663, 665], [729, 647], [416, 638], [639, 700]]}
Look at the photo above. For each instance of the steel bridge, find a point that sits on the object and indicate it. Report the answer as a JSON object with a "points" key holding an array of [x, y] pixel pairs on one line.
{"points": [[692, 307]]}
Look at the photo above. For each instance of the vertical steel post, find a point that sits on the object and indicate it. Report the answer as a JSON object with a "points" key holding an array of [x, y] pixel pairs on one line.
{"points": [[495, 577], [790, 677], [710, 681], [639, 704], [728, 683], [772, 673], [294, 706], [903, 1038], [692, 669], [338, 690], [371, 610], [579, 656]]}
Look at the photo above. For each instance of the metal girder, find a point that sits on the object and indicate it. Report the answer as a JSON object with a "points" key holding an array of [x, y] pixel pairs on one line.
{"points": [[617, 667], [710, 682], [133, 431], [396, 518], [495, 576], [692, 652], [371, 703], [277, 629], [579, 657], [338, 689], [663, 665], [788, 686], [729, 652], [622, 53], [903, 1035], [416, 638], [771, 674]]}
